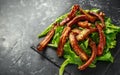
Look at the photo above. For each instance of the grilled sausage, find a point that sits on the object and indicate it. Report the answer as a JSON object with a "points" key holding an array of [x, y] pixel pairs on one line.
{"points": [[48, 37], [70, 15], [102, 39], [62, 41]]}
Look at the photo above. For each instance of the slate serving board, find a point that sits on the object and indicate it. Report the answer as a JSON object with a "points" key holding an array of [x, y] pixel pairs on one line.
{"points": [[22, 20]]}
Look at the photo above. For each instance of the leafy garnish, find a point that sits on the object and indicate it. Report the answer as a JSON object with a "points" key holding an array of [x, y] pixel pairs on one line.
{"points": [[110, 31], [57, 35], [106, 57], [71, 58], [96, 10]]}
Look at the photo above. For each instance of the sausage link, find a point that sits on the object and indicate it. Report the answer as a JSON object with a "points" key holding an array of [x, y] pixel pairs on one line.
{"points": [[70, 15], [46, 40], [102, 39], [62, 41]]}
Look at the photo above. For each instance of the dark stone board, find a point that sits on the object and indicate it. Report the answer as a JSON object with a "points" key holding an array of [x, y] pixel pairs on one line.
{"points": [[22, 20]]}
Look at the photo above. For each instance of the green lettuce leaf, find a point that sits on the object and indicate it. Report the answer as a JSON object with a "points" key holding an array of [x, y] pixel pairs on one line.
{"points": [[110, 32], [96, 10], [62, 67], [71, 58], [95, 37], [106, 57], [84, 46], [56, 36]]}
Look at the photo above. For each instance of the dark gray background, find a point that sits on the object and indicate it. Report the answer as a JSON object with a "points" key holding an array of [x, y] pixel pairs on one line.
{"points": [[22, 20]]}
